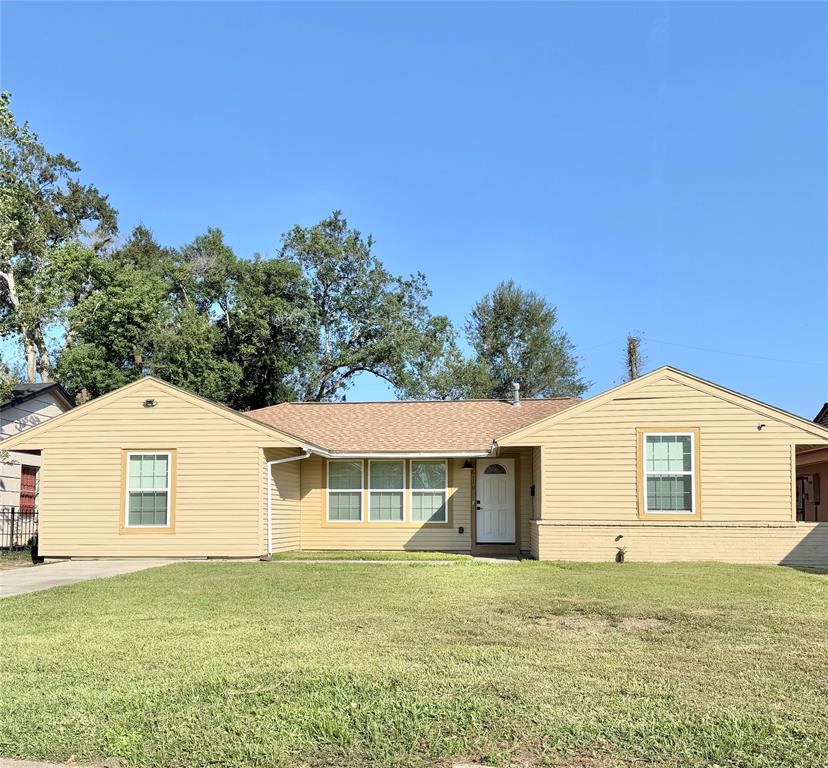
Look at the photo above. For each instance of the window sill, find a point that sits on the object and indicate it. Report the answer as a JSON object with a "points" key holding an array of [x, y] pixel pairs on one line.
{"points": [[660, 517], [159, 530]]}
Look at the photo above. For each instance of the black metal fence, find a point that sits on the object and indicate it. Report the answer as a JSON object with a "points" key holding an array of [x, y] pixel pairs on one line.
{"points": [[17, 529]]}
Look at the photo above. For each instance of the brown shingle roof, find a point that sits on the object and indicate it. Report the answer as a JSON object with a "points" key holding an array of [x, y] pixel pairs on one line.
{"points": [[434, 425]]}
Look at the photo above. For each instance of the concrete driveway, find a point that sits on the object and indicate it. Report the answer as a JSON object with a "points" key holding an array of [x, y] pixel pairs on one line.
{"points": [[19, 581]]}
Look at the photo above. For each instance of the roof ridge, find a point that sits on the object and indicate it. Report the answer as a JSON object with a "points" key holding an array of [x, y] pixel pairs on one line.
{"points": [[415, 402]]}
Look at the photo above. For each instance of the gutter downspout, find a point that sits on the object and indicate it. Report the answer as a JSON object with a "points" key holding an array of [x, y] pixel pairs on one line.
{"points": [[304, 455]]}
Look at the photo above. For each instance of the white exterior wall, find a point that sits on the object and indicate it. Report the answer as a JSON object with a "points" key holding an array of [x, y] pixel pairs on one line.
{"points": [[13, 420]]}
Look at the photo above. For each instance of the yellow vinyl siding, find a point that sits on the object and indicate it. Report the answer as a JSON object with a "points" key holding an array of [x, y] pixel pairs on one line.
{"points": [[586, 465], [316, 533], [218, 478], [589, 461], [285, 480], [526, 479], [524, 471], [537, 480]]}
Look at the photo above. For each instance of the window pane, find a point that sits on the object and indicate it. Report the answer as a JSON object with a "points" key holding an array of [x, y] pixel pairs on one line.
{"points": [[386, 506], [148, 471], [160, 473], [428, 507], [135, 471], [344, 505], [386, 474], [668, 453], [147, 508], [346, 475], [685, 460], [666, 493], [428, 474]]}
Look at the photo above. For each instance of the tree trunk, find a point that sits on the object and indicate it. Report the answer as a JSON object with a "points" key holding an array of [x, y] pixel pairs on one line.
{"points": [[34, 348], [634, 359], [44, 365], [31, 356]]}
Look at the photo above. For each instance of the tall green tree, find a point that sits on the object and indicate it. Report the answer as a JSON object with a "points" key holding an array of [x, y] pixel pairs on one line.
{"points": [[186, 355], [270, 334], [205, 274], [113, 328], [515, 337], [368, 319], [232, 330], [43, 209], [151, 309]]}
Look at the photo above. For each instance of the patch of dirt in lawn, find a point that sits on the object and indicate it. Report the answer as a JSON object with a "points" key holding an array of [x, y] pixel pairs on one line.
{"points": [[587, 761], [531, 758], [594, 625]]}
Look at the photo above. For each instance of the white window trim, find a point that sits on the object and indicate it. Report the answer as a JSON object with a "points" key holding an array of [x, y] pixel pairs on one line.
{"points": [[168, 489], [385, 490], [413, 490], [691, 473], [361, 491]]}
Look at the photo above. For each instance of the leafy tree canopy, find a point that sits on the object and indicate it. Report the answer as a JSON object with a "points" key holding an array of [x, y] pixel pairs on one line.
{"points": [[248, 333], [271, 334], [43, 208], [514, 336], [369, 320]]}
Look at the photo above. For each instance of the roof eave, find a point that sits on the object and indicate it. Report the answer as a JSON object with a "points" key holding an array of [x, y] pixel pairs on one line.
{"points": [[54, 388], [368, 454]]}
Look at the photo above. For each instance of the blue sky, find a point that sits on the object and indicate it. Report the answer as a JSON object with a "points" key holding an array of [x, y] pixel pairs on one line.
{"points": [[653, 167]]}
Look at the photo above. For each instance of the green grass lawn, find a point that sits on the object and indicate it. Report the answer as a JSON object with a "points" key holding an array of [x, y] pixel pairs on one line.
{"points": [[358, 554], [17, 559], [268, 664]]}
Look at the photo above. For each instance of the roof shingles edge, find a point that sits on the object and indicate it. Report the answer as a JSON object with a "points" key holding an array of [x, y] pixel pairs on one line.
{"points": [[20, 393], [410, 425]]}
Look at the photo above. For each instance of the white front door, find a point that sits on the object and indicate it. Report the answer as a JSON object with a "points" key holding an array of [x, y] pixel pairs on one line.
{"points": [[495, 501]]}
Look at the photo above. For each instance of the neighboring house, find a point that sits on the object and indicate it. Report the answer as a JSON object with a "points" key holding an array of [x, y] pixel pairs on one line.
{"points": [[666, 467], [27, 406], [812, 478]]}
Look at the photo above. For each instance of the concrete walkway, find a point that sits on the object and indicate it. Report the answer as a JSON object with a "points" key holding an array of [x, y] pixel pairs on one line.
{"points": [[19, 581]]}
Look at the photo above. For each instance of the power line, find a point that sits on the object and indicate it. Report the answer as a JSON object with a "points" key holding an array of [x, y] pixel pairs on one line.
{"points": [[646, 339], [737, 354]]}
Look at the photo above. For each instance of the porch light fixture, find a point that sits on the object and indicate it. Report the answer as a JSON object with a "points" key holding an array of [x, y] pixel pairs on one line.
{"points": [[150, 403], [467, 464]]}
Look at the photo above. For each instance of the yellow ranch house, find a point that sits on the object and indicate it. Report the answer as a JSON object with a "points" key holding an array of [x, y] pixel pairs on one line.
{"points": [[666, 467]]}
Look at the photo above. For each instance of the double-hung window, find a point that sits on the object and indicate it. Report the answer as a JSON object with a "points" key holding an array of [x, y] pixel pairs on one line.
{"points": [[669, 473], [429, 492], [148, 489], [345, 491], [386, 488]]}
